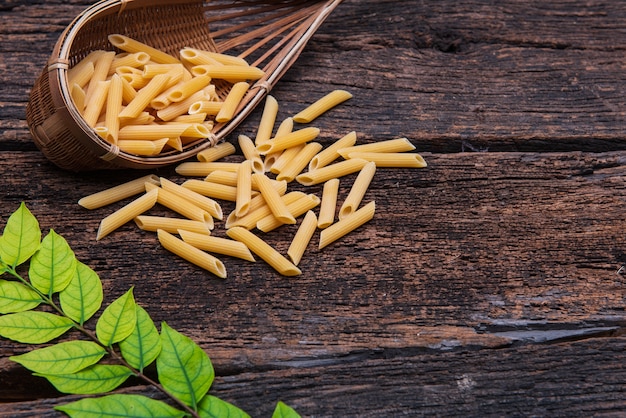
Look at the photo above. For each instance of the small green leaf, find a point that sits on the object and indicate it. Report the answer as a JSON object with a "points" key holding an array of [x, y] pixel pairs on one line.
{"points": [[284, 411], [17, 297], [99, 378], [115, 406], [118, 320], [212, 407], [62, 358], [183, 368], [21, 237], [143, 346], [82, 298], [53, 266], [33, 327]]}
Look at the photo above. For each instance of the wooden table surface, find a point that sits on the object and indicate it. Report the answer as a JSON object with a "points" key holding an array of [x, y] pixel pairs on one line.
{"points": [[488, 283]]}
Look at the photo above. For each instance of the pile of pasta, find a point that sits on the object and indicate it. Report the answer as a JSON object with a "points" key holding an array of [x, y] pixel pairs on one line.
{"points": [[147, 102], [259, 188]]}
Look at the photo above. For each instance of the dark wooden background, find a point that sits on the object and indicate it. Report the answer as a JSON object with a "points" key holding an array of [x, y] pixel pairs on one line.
{"points": [[488, 284]]}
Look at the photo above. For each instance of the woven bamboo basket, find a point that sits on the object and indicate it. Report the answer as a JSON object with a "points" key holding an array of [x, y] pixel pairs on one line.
{"points": [[268, 34]]}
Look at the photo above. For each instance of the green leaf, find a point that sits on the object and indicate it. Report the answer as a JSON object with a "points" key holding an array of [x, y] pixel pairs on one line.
{"points": [[82, 298], [284, 411], [62, 358], [212, 407], [53, 266], [33, 327], [118, 320], [137, 406], [143, 346], [183, 368], [21, 237], [17, 297], [99, 378]]}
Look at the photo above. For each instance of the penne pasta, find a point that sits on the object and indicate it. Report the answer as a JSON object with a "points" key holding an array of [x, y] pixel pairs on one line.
{"points": [[100, 71], [181, 206], [142, 147], [221, 150], [331, 153], [117, 193], [296, 208], [171, 225], [347, 224], [175, 110], [264, 251], [336, 170], [151, 132], [244, 188], [131, 45], [358, 189], [268, 119], [80, 74], [329, 203], [199, 56], [191, 253], [95, 104], [78, 97], [195, 118], [135, 60], [126, 214], [205, 203], [391, 159], [128, 91], [284, 158], [251, 154], [390, 145], [113, 108], [208, 107], [232, 101], [289, 140], [302, 238], [144, 96], [321, 106], [251, 219], [187, 88], [230, 73], [217, 245], [273, 199], [299, 162], [285, 127], [202, 169], [212, 190]]}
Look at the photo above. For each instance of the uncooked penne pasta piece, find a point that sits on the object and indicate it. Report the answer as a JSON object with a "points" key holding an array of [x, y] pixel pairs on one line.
{"points": [[126, 214], [330, 154], [302, 238], [322, 105], [191, 253], [117, 193], [244, 188], [113, 108], [212, 190], [296, 208], [389, 145], [284, 128], [151, 132], [335, 170], [187, 88], [194, 130], [292, 139], [181, 206], [142, 147], [265, 251], [358, 189], [180, 108], [329, 203], [144, 96], [268, 119], [100, 71], [391, 159], [171, 225], [346, 225], [202, 169], [136, 60], [251, 219], [236, 93], [199, 56], [131, 45], [195, 118], [128, 91], [221, 150], [209, 205], [80, 75], [284, 158], [217, 245], [251, 154], [208, 107], [273, 199], [230, 73], [78, 97], [95, 104], [299, 162]]}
